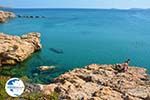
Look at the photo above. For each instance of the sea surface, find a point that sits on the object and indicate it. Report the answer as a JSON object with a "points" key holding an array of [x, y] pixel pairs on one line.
{"points": [[84, 36]]}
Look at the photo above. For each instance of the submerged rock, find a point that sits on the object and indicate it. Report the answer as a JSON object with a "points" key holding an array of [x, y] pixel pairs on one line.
{"points": [[101, 82], [30, 16], [14, 49], [58, 51], [4, 16], [44, 68]]}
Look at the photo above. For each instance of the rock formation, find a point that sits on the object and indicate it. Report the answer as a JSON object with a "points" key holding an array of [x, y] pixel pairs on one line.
{"points": [[45, 68], [4, 16], [101, 82], [30, 16], [14, 49]]}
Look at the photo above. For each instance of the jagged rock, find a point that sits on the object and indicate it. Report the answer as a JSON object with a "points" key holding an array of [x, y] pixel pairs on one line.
{"points": [[140, 91], [101, 82], [14, 49], [32, 87], [4, 16], [107, 93], [48, 88]]}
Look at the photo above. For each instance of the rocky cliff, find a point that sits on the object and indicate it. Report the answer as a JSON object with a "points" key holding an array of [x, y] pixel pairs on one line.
{"points": [[14, 49], [4, 16], [101, 82]]}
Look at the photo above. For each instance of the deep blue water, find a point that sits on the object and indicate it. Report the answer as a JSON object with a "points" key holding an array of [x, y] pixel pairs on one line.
{"points": [[86, 36]]}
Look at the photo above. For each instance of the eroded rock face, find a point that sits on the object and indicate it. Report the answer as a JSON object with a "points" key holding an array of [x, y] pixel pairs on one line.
{"points": [[101, 82], [4, 16], [14, 49]]}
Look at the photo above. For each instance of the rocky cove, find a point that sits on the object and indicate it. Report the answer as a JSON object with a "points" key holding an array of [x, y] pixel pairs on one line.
{"points": [[93, 82]]}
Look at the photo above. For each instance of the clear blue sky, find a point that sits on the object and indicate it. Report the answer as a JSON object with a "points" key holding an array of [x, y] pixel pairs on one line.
{"points": [[76, 3]]}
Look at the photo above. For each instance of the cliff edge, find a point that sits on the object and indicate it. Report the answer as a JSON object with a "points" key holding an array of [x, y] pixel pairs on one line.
{"points": [[101, 82], [15, 49]]}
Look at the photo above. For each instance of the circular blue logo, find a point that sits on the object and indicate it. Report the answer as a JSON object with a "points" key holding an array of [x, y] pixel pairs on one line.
{"points": [[14, 87]]}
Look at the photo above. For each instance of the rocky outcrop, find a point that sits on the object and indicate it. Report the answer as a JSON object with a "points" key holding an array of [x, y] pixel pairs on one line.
{"points": [[101, 82], [4, 16], [14, 49], [30, 16], [45, 68]]}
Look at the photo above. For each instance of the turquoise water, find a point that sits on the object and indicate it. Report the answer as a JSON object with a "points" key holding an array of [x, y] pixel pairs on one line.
{"points": [[85, 36]]}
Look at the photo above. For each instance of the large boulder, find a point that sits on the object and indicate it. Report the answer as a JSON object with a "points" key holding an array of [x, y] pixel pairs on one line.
{"points": [[4, 16], [101, 82], [14, 49]]}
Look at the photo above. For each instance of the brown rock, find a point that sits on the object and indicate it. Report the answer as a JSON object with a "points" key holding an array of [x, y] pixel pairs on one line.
{"points": [[45, 68], [140, 91], [4, 16], [14, 49], [48, 88], [102, 82]]}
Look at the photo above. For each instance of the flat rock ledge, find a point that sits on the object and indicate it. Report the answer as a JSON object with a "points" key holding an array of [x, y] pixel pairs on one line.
{"points": [[101, 82], [15, 49], [5, 15]]}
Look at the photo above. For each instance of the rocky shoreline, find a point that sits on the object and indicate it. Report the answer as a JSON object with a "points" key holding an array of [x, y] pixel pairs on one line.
{"points": [[5, 15], [93, 82], [15, 49], [101, 82]]}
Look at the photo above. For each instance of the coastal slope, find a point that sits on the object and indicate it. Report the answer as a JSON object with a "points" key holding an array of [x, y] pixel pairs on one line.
{"points": [[101, 82], [15, 49]]}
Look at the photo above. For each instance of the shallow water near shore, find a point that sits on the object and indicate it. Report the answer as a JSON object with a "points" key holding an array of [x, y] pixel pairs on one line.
{"points": [[85, 37]]}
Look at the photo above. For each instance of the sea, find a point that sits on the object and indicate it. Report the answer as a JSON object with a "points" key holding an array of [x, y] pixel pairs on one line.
{"points": [[74, 38]]}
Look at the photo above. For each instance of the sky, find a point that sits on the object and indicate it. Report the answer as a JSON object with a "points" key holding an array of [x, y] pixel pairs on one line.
{"points": [[122, 4]]}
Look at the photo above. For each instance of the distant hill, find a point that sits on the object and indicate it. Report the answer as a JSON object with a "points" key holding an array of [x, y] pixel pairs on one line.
{"points": [[4, 7], [139, 8]]}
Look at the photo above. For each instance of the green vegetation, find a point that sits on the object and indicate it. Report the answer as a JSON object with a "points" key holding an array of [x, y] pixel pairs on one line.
{"points": [[25, 96], [40, 96], [3, 94]]}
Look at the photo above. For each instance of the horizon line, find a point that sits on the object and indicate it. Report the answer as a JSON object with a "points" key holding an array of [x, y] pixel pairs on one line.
{"points": [[71, 8]]}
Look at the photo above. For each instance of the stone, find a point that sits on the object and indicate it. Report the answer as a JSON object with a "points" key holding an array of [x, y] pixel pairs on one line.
{"points": [[45, 68], [15, 49], [101, 82], [32, 87], [48, 88], [4, 16], [140, 91]]}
